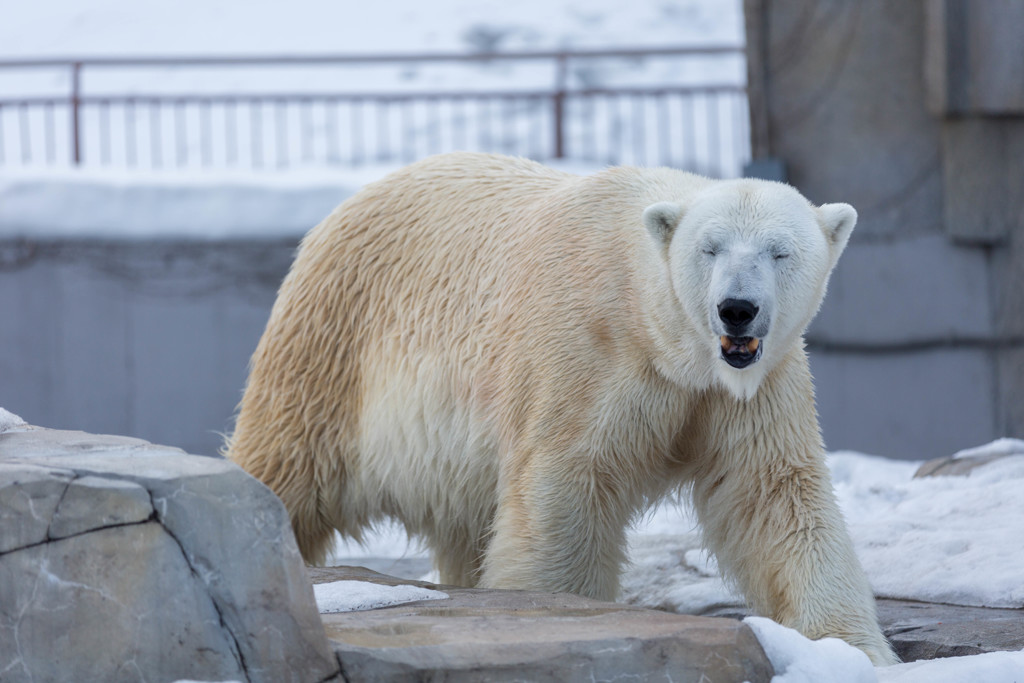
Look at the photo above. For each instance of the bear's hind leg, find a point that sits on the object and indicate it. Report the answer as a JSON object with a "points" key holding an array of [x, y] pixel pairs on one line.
{"points": [[458, 556]]}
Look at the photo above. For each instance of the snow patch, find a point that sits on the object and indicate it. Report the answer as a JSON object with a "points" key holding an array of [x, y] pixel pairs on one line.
{"points": [[991, 667], [355, 596], [797, 659], [9, 421], [997, 447]]}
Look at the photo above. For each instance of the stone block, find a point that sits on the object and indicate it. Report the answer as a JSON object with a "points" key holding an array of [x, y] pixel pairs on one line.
{"points": [[28, 498], [117, 604], [839, 84], [974, 56], [909, 293], [94, 503], [922, 630], [929, 631], [905, 405], [981, 179], [187, 562], [497, 635]]}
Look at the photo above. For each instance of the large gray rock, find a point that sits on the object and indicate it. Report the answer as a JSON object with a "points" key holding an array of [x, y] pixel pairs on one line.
{"points": [[125, 561], [919, 630], [498, 635]]}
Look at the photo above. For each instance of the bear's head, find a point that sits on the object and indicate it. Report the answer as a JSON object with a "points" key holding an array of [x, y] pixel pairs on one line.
{"points": [[749, 261]]}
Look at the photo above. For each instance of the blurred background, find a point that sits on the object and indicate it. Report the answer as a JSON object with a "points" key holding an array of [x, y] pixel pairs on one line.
{"points": [[160, 161]]}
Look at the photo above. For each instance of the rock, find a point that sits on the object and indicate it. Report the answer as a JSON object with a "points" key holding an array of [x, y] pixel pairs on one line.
{"points": [[920, 630], [965, 461], [141, 562], [499, 635], [958, 466]]}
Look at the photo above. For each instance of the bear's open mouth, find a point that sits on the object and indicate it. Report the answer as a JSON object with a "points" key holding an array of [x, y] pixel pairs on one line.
{"points": [[740, 352]]}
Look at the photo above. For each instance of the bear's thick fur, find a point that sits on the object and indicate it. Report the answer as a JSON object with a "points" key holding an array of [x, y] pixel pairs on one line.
{"points": [[515, 362]]}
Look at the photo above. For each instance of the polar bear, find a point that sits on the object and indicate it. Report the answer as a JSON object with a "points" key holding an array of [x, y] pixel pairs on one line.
{"points": [[515, 362]]}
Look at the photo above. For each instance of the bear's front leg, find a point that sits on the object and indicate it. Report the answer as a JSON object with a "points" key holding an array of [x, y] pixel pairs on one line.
{"points": [[765, 500], [559, 527]]}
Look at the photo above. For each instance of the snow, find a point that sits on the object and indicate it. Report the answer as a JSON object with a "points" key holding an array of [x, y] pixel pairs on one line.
{"points": [[797, 659], [126, 27], [123, 204], [992, 667], [50, 204], [953, 540], [9, 421], [997, 447], [354, 596]]}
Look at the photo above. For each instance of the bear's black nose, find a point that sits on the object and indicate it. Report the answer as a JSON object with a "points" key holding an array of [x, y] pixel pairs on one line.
{"points": [[737, 313]]}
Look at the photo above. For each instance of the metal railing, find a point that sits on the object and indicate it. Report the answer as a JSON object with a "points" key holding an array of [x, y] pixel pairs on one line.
{"points": [[701, 126]]}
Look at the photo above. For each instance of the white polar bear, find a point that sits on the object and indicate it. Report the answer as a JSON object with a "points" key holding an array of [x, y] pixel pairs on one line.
{"points": [[515, 362]]}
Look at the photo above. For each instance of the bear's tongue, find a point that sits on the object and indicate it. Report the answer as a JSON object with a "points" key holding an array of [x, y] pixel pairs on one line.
{"points": [[731, 345]]}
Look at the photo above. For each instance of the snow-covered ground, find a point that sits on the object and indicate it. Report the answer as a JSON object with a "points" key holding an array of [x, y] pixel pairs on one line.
{"points": [[955, 540]]}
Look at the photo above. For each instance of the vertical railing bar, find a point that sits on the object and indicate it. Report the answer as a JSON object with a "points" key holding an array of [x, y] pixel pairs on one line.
{"points": [[689, 115], [331, 151], [76, 101], [638, 117], [714, 144], [256, 131], [156, 134], [357, 131], [2, 151], [105, 142], [26, 133], [49, 133], [408, 131], [230, 132], [281, 130], [380, 111], [306, 130], [130, 134], [436, 139], [205, 133], [664, 130], [180, 133], [558, 102]]}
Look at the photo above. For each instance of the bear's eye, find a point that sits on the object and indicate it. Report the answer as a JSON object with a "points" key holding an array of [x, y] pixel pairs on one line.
{"points": [[710, 250], [780, 255]]}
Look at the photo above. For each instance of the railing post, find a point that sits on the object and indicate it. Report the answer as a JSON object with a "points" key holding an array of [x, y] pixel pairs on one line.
{"points": [[561, 76], [76, 92]]}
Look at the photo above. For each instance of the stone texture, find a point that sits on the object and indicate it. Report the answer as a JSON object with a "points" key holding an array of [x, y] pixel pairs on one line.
{"points": [[140, 562], [120, 604], [909, 405], [910, 111], [957, 467], [499, 635], [921, 630], [905, 294], [93, 503], [28, 498], [929, 631]]}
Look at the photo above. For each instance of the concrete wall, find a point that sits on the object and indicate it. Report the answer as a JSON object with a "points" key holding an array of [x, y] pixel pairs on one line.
{"points": [[148, 339], [913, 112]]}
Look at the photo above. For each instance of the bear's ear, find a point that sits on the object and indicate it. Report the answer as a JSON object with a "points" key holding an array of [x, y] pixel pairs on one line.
{"points": [[661, 220], [837, 220]]}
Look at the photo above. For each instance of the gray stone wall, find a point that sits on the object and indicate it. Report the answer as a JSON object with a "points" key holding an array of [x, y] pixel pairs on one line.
{"points": [[149, 339], [914, 113]]}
